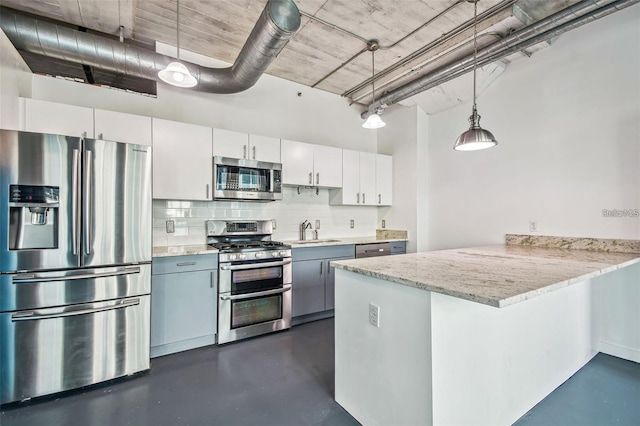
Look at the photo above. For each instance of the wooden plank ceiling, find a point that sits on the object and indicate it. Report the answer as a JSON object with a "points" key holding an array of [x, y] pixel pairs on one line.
{"points": [[219, 28]]}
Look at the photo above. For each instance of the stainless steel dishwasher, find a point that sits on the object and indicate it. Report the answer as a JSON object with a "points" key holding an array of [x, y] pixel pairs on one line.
{"points": [[372, 250]]}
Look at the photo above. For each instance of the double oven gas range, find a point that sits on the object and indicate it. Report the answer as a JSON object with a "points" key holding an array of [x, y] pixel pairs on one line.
{"points": [[254, 279]]}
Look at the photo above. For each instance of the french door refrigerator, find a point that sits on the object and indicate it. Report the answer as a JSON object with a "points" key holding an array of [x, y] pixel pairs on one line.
{"points": [[75, 252]]}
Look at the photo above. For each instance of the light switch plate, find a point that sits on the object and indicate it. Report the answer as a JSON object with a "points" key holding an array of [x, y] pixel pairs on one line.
{"points": [[274, 225], [384, 223], [171, 226], [317, 224], [352, 224]]}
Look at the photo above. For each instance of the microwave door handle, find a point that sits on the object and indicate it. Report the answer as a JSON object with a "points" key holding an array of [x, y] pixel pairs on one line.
{"points": [[258, 294], [254, 265], [34, 315]]}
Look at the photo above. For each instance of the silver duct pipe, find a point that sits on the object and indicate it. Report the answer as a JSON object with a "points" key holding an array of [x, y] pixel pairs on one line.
{"points": [[279, 20], [552, 26]]}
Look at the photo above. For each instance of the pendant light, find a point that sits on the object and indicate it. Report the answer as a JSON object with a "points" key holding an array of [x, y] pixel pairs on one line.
{"points": [[373, 121], [176, 73], [476, 137]]}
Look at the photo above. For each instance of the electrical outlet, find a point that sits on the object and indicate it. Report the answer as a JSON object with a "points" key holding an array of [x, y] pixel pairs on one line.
{"points": [[273, 224], [317, 224], [384, 223], [533, 226], [170, 226], [374, 315], [352, 224]]}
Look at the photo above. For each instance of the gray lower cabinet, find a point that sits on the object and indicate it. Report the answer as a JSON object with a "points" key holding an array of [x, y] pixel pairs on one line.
{"points": [[398, 247], [313, 279], [183, 303]]}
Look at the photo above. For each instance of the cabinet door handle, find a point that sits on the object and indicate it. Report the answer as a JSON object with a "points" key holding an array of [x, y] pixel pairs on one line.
{"points": [[207, 190], [310, 178], [358, 200], [213, 274], [318, 178], [321, 263], [363, 194], [379, 198], [244, 151], [254, 152]]}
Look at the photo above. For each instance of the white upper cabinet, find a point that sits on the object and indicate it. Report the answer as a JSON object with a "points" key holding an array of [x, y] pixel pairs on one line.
{"points": [[366, 180], [227, 143], [122, 127], [327, 166], [311, 165], [51, 117], [384, 179], [182, 161], [264, 148], [350, 193]]}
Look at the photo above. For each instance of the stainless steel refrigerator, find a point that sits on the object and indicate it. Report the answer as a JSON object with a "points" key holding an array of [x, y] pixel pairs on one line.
{"points": [[75, 255]]}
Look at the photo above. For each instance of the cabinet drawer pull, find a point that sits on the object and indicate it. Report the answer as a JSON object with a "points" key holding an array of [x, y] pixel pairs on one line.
{"points": [[185, 264]]}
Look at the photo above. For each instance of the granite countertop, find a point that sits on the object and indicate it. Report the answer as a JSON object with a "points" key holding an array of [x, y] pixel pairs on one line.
{"points": [[165, 251], [340, 241], [382, 236], [499, 275]]}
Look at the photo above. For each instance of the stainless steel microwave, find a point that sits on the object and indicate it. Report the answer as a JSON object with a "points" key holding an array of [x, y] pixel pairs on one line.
{"points": [[246, 180]]}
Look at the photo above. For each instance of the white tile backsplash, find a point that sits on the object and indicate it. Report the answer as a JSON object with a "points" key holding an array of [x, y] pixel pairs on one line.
{"points": [[293, 209]]}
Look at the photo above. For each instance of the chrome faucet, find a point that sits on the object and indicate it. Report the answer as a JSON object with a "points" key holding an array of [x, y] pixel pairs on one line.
{"points": [[303, 228]]}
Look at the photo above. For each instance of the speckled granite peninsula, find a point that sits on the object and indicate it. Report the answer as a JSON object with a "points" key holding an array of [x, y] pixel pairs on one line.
{"points": [[479, 335], [498, 275]]}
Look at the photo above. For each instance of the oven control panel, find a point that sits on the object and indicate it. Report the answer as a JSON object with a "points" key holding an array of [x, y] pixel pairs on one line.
{"points": [[242, 227], [254, 255]]}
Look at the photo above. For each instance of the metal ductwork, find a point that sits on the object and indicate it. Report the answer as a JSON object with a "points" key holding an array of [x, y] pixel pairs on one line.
{"points": [[545, 29], [279, 20]]}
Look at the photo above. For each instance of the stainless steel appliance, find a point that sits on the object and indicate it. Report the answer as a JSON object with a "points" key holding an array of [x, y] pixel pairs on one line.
{"points": [[372, 250], [254, 279], [75, 252], [246, 180]]}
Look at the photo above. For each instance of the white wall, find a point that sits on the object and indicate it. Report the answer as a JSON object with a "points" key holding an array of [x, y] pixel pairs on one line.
{"points": [[568, 124], [399, 138], [15, 81]]}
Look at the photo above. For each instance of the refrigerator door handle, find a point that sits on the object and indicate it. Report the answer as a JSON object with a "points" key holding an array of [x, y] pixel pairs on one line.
{"points": [[87, 201], [31, 278], [42, 315], [75, 192]]}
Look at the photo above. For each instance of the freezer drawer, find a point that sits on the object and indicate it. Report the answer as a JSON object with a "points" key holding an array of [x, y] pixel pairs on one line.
{"points": [[35, 290], [51, 350]]}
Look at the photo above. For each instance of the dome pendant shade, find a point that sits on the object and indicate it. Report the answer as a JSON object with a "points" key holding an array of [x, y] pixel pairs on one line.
{"points": [[476, 137], [373, 122], [178, 75]]}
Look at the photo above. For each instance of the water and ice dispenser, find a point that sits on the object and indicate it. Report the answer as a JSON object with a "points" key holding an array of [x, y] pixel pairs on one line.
{"points": [[33, 217]]}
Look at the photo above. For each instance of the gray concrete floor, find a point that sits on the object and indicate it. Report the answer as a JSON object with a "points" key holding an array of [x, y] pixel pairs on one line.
{"points": [[287, 379]]}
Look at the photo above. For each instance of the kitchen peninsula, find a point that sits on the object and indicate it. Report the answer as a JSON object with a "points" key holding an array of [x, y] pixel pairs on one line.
{"points": [[480, 335]]}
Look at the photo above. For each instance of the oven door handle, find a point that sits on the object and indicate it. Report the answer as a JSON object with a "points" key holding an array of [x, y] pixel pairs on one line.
{"points": [[258, 294], [254, 265]]}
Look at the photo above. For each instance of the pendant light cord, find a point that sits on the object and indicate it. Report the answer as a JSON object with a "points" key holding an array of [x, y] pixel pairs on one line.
{"points": [[178, 30], [373, 76], [475, 49]]}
